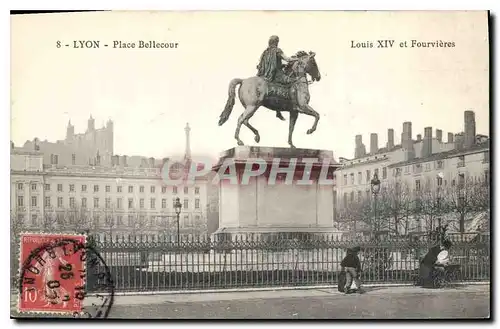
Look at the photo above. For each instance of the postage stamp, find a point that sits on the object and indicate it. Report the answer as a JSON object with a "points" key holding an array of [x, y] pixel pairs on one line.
{"points": [[54, 276], [251, 155]]}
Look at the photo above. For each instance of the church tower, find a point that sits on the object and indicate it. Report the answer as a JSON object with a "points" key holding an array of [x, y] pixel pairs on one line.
{"points": [[110, 137], [187, 153], [70, 131], [90, 124]]}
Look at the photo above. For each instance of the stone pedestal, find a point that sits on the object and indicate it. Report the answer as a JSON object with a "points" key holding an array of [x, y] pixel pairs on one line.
{"points": [[261, 206]]}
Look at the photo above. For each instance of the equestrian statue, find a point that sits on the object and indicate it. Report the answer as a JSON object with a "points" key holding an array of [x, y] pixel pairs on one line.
{"points": [[278, 87]]}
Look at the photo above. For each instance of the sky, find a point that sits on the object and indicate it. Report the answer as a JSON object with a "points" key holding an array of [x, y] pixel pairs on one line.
{"points": [[151, 94]]}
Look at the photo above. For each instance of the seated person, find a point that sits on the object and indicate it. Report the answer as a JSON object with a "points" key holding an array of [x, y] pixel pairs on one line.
{"points": [[352, 267], [436, 259], [443, 258]]}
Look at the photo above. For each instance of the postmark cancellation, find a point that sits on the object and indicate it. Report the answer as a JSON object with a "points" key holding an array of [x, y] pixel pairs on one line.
{"points": [[53, 275]]}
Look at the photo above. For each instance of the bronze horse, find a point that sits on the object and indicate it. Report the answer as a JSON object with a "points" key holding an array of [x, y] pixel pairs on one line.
{"points": [[294, 98]]}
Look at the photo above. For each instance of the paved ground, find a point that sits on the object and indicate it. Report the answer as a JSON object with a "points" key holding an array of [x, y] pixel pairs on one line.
{"points": [[379, 303], [376, 303]]}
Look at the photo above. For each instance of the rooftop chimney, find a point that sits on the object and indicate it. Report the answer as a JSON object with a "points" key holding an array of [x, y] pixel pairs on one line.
{"points": [[373, 144], [427, 145], [419, 137], [450, 137], [151, 162], [459, 141], [390, 139], [115, 160], [407, 142], [359, 149], [439, 135], [469, 129], [124, 162]]}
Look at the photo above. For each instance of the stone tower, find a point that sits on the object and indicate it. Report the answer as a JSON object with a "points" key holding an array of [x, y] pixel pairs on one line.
{"points": [[70, 131], [110, 137], [91, 124]]}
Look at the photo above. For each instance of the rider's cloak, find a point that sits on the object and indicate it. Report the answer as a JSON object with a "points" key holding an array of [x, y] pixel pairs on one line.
{"points": [[270, 62]]}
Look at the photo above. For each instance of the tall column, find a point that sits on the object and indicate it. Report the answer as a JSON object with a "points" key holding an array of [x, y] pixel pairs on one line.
{"points": [[187, 153]]}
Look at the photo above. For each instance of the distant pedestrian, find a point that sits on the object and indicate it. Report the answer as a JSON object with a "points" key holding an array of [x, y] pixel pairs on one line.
{"points": [[352, 267]]}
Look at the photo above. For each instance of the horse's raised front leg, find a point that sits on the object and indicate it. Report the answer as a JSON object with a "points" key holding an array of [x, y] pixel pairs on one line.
{"points": [[291, 126], [308, 110], [247, 114], [255, 131]]}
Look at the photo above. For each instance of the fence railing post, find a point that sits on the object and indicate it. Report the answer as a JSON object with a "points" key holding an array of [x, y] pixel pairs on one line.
{"points": [[287, 260]]}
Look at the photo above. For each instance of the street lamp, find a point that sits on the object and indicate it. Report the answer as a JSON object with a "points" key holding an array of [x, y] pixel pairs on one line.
{"points": [[440, 177], [375, 185], [178, 207]]}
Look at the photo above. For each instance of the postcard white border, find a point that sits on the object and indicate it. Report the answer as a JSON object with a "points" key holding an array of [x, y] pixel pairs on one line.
{"points": [[189, 5]]}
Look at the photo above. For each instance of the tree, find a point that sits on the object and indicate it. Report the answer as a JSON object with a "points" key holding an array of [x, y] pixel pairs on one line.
{"points": [[399, 207], [49, 221], [468, 198], [200, 225], [138, 224], [17, 223], [110, 223], [482, 201], [481, 194], [462, 199], [429, 205], [80, 219], [395, 203], [350, 216], [361, 215]]}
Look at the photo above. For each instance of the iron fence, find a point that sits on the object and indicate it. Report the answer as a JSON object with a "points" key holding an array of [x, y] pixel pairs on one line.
{"points": [[154, 263]]}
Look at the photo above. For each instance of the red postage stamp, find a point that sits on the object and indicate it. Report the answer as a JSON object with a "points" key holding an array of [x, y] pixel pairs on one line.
{"points": [[52, 273]]}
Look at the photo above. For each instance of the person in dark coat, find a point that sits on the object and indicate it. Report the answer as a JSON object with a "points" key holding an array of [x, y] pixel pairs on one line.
{"points": [[428, 262], [352, 267]]}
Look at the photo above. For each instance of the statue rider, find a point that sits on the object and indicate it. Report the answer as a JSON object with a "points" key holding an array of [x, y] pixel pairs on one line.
{"points": [[270, 66]]}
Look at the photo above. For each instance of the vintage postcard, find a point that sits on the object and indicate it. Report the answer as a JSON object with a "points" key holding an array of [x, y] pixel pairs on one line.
{"points": [[250, 165]]}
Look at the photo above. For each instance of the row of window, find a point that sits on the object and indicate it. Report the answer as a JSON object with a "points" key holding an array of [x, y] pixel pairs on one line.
{"points": [[107, 201], [119, 221], [54, 159], [418, 186], [368, 176], [119, 189], [417, 168]]}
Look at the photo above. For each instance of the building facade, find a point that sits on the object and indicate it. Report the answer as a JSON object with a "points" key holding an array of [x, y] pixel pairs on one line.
{"points": [[94, 146], [108, 197], [427, 163]]}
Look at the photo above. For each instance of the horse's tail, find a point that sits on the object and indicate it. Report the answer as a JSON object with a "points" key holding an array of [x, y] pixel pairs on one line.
{"points": [[224, 116]]}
